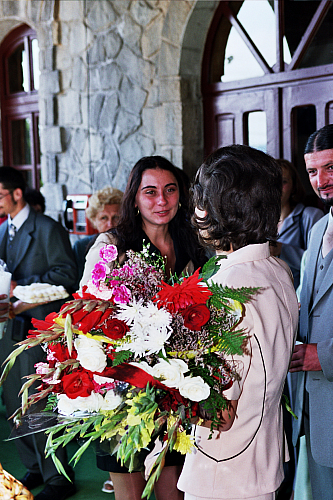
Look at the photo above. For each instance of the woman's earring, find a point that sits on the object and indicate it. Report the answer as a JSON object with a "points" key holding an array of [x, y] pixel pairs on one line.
{"points": [[179, 205], [137, 211]]}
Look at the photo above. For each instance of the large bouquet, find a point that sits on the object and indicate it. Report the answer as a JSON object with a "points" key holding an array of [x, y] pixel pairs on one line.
{"points": [[133, 360]]}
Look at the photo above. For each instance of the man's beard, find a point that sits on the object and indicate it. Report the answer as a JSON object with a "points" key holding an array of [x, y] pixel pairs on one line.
{"points": [[327, 201]]}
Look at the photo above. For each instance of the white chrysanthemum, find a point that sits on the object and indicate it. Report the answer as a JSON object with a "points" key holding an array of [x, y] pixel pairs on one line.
{"points": [[154, 316], [156, 339], [130, 312]]}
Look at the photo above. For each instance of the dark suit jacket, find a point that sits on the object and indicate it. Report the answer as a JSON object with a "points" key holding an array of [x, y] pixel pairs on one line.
{"points": [[41, 252], [316, 326]]}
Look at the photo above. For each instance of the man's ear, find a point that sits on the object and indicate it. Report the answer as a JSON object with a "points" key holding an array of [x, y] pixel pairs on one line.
{"points": [[17, 194]]}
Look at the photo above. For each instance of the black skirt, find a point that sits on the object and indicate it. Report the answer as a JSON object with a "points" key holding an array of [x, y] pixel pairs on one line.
{"points": [[109, 463]]}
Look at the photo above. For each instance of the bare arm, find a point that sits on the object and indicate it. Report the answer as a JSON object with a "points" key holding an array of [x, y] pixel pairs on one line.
{"points": [[226, 417]]}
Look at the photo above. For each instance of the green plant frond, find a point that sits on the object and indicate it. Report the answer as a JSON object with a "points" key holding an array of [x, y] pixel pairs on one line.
{"points": [[121, 357], [222, 293], [230, 342]]}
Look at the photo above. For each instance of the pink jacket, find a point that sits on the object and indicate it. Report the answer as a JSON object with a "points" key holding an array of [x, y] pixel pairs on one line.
{"points": [[247, 460]]}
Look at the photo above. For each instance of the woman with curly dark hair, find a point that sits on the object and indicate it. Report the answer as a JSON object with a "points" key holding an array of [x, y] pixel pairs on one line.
{"points": [[154, 210], [237, 194]]}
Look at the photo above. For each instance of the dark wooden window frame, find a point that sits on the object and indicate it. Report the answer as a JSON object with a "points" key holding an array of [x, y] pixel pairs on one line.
{"points": [[19, 105], [277, 77]]}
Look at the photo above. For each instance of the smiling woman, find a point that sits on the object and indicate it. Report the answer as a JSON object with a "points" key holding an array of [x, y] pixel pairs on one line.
{"points": [[155, 212]]}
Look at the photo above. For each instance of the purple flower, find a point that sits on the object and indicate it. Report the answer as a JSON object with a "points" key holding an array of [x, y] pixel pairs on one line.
{"points": [[109, 253], [122, 294], [99, 272]]}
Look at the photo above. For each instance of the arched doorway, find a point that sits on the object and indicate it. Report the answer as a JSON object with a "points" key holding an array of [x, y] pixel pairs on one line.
{"points": [[19, 84], [267, 77]]}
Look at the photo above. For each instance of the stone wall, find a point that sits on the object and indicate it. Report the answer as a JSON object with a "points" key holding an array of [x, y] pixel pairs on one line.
{"points": [[120, 79]]}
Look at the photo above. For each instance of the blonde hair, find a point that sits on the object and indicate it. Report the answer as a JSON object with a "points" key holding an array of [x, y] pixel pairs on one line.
{"points": [[102, 197]]}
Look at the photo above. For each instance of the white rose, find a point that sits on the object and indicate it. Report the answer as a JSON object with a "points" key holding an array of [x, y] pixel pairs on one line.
{"points": [[66, 406], [90, 354], [194, 388], [111, 401], [143, 365], [91, 403], [170, 373], [102, 380]]}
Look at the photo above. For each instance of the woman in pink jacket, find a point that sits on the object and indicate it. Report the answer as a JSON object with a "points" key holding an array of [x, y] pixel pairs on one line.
{"points": [[237, 194]]}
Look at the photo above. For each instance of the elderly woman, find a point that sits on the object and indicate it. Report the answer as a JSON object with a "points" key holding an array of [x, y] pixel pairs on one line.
{"points": [[103, 213], [237, 195]]}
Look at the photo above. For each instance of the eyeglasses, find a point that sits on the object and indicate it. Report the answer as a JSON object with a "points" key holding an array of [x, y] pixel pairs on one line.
{"points": [[4, 195]]}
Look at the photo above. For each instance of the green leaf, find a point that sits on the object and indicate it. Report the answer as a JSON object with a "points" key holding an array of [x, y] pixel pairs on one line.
{"points": [[59, 466], [76, 457], [211, 267]]}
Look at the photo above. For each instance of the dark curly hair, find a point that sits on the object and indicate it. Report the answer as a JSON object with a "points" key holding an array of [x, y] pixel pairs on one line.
{"points": [[129, 227], [240, 189]]}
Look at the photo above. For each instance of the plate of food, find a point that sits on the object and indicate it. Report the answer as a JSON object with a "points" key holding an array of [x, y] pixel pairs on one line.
{"points": [[40, 292]]}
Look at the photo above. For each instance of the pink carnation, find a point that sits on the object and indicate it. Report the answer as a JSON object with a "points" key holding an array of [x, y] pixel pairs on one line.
{"points": [[101, 291], [99, 272], [108, 253], [122, 294]]}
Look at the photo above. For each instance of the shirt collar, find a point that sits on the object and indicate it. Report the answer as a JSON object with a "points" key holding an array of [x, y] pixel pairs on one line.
{"points": [[330, 216], [20, 218]]}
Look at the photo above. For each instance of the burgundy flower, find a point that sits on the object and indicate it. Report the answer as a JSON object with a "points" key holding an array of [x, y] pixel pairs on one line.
{"points": [[115, 328], [196, 316]]}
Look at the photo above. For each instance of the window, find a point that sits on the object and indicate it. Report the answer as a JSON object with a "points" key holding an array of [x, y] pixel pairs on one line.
{"points": [[19, 82]]}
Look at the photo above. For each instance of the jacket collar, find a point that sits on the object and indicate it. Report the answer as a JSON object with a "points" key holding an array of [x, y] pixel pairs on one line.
{"points": [[249, 253]]}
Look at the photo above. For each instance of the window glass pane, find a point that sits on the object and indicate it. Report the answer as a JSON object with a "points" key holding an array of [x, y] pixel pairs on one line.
{"points": [[257, 131], [320, 51], [258, 19], [297, 18], [18, 70], [21, 147], [35, 62], [239, 63]]}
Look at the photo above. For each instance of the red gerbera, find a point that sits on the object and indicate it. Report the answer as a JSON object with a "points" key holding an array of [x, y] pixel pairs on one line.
{"points": [[179, 296]]}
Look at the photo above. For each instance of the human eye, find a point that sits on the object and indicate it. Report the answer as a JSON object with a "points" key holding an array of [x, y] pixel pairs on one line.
{"points": [[312, 171], [149, 192]]}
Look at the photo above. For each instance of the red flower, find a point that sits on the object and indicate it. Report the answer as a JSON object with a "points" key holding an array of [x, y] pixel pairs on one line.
{"points": [[84, 294], [196, 316], [85, 319], [180, 296], [60, 352], [115, 329], [45, 324], [79, 383]]}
